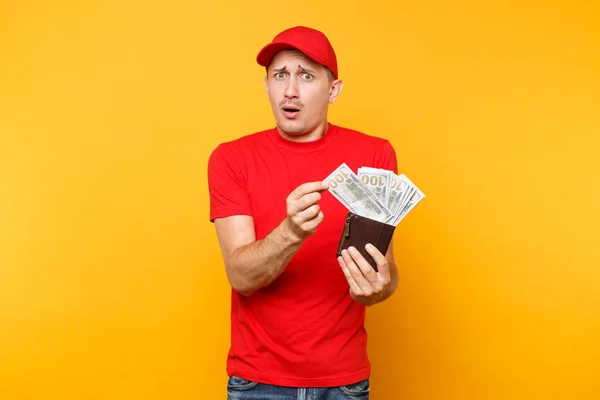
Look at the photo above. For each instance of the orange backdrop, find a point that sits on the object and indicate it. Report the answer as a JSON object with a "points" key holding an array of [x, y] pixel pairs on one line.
{"points": [[111, 281]]}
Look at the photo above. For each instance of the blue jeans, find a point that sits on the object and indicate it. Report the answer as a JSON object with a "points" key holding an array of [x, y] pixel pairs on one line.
{"points": [[243, 389]]}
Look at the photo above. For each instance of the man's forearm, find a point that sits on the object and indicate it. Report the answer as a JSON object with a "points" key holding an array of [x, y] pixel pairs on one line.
{"points": [[257, 264]]}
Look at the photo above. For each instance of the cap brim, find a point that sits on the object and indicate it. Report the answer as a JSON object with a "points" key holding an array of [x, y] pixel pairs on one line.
{"points": [[267, 53]]}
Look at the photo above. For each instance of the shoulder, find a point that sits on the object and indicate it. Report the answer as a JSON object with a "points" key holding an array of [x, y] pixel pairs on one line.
{"points": [[370, 150], [364, 140], [235, 149]]}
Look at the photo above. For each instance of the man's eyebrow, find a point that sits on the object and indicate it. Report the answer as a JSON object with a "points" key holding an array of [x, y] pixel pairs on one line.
{"points": [[300, 68], [306, 69]]}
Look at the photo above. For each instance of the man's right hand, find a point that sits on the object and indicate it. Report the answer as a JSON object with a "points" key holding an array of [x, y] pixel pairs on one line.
{"points": [[303, 211]]}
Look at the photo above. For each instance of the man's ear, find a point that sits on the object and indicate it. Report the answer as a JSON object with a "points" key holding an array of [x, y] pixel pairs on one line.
{"points": [[266, 85], [336, 89]]}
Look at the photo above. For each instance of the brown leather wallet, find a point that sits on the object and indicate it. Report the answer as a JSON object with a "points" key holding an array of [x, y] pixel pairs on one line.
{"points": [[358, 231]]}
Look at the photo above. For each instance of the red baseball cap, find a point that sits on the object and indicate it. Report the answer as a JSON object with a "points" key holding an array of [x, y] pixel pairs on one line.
{"points": [[309, 41]]}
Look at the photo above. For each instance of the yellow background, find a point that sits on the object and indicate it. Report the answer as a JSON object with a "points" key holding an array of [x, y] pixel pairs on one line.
{"points": [[111, 282]]}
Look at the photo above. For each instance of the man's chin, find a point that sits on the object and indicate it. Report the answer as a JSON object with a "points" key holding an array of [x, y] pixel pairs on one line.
{"points": [[292, 128]]}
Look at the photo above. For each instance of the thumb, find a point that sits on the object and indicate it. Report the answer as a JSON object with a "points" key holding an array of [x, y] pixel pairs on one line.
{"points": [[383, 266]]}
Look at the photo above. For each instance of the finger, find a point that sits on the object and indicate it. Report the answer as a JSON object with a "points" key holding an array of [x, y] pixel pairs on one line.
{"points": [[313, 223], [356, 273], [353, 285], [304, 202], [383, 265], [366, 268], [308, 214], [307, 188]]}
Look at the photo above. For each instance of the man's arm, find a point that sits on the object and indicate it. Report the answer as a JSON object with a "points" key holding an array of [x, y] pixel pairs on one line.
{"points": [[252, 264]]}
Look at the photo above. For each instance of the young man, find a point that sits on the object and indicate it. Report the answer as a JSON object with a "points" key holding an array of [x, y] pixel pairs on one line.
{"points": [[297, 312]]}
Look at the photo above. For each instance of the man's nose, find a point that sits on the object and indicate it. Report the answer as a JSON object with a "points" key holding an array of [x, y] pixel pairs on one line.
{"points": [[291, 90]]}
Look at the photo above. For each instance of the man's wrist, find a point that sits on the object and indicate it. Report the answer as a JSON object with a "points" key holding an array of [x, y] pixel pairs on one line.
{"points": [[287, 235], [372, 300], [387, 293]]}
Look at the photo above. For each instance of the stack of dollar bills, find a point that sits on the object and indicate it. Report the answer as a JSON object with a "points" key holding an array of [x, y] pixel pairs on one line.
{"points": [[374, 193]]}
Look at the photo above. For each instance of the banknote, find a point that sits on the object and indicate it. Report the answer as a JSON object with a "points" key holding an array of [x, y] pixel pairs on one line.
{"points": [[416, 196], [378, 181], [375, 193], [398, 187], [345, 185], [410, 192]]}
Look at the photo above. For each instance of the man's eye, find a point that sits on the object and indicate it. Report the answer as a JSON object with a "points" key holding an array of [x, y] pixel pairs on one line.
{"points": [[307, 76], [279, 75]]}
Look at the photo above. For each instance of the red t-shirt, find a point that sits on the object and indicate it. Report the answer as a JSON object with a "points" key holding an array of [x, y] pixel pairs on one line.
{"points": [[303, 329]]}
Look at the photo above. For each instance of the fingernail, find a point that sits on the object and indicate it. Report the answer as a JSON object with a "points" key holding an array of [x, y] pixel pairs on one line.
{"points": [[352, 249]]}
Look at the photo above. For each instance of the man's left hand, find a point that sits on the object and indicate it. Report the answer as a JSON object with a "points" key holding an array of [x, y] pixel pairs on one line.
{"points": [[366, 285]]}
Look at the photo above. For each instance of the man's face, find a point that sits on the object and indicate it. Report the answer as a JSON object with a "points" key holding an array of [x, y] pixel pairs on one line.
{"points": [[300, 91]]}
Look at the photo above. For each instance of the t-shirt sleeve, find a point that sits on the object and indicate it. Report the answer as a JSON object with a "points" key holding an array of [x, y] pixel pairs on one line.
{"points": [[227, 184], [387, 158]]}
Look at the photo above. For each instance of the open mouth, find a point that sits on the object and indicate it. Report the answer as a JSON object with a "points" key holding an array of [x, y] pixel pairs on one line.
{"points": [[290, 112]]}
